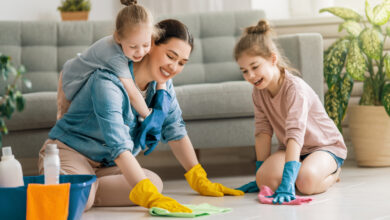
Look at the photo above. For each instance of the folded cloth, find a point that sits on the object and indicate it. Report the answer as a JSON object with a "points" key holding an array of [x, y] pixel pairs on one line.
{"points": [[265, 191], [197, 210], [47, 201]]}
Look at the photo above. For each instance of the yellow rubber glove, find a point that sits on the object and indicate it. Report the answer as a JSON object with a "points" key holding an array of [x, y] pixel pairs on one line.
{"points": [[197, 178], [146, 194]]}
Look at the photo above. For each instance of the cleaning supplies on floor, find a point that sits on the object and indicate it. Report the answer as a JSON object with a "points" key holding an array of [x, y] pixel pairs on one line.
{"points": [[265, 191], [47, 201], [197, 211], [51, 164], [11, 174]]}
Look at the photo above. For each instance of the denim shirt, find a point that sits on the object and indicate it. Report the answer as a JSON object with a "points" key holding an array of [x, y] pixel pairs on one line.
{"points": [[101, 123], [104, 54]]}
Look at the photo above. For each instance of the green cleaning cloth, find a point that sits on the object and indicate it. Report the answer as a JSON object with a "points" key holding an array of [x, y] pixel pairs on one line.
{"points": [[197, 210]]}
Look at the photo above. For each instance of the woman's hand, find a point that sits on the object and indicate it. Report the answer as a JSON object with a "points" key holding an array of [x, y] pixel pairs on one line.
{"points": [[146, 194], [197, 178]]}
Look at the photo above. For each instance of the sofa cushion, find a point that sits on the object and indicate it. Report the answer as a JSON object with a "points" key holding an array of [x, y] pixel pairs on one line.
{"points": [[40, 112], [215, 100]]}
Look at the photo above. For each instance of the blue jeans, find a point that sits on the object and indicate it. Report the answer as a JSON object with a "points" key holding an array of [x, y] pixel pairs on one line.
{"points": [[338, 160]]}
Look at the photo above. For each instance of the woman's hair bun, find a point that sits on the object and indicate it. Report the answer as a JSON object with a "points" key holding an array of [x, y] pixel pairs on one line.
{"points": [[261, 28], [129, 2]]}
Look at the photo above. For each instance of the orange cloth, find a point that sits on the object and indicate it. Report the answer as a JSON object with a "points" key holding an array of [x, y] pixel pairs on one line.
{"points": [[47, 202]]}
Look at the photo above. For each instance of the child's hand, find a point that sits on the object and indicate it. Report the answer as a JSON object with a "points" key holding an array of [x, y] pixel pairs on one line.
{"points": [[150, 130], [161, 86], [251, 186], [286, 189]]}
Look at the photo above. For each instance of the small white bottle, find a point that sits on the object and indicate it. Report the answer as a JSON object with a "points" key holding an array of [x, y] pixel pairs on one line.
{"points": [[11, 174], [51, 165]]}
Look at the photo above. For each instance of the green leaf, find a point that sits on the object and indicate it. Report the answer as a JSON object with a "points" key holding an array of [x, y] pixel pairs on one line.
{"points": [[368, 97], [346, 86], [356, 63], [352, 27], [22, 69], [9, 108], [334, 60], [27, 83], [380, 14], [20, 101], [369, 12], [371, 43], [386, 98], [386, 62], [332, 104], [344, 13]]}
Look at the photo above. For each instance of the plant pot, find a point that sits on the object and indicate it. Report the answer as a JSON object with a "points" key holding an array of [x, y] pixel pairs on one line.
{"points": [[370, 128], [74, 15]]}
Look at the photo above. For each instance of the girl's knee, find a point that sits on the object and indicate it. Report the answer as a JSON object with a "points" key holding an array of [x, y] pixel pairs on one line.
{"points": [[307, 181], [267, 179]]}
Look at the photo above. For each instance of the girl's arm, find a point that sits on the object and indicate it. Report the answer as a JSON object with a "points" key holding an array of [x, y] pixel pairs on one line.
{"points": [[136, 99], [293, 150], [161, 86], [62, 103], [263, 146]]}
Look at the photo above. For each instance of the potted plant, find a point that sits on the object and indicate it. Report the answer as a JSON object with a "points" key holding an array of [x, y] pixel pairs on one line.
{"points": [[74, 9], [360, 56], [12, 98]]}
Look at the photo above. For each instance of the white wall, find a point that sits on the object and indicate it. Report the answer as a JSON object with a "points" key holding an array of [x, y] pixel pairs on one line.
{"points": [[275, 9], [47, 10], [107, 9]]}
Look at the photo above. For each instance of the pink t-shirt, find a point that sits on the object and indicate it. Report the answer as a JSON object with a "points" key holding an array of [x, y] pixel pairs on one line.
{"points": [[296, 112]]}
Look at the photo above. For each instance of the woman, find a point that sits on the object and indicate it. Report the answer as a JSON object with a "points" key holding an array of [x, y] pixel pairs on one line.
{"points": [[98, 130]]}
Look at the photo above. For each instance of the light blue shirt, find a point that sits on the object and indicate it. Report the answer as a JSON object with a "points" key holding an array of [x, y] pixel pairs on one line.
{"points": [[104, 54], [101, 123]]}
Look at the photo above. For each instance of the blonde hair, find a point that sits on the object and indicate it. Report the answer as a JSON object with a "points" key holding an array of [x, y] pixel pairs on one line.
{"points": [[131, 16], [257, 41]]}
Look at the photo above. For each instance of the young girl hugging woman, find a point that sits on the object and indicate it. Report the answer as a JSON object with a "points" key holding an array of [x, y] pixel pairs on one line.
{"points": [[130, 42], [311, 147]]}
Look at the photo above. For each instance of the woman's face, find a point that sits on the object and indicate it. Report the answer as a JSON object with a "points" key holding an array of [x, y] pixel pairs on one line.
{"points": [[168, 59]]}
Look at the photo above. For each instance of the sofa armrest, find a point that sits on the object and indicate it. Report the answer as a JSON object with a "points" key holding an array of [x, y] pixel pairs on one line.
{"points": [[305, 52]]}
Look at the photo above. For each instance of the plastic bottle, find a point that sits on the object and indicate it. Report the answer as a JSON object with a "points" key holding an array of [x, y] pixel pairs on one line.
{"points": [[51, 164], [11, 174]]}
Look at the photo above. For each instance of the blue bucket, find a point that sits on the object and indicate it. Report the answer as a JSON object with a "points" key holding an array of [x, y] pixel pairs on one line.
{"points": [[13, 200]]}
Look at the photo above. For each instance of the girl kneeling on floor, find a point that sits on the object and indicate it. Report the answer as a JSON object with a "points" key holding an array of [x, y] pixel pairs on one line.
{"points": [[311, 147]]}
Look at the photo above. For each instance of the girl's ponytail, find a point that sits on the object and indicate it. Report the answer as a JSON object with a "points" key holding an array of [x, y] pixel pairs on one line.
{"points": [[129, 2], [262, 27]]}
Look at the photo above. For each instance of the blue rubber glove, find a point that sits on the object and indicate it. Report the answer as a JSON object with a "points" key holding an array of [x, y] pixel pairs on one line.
{"points": [[251, 187], [150, 131], [286, 189]]}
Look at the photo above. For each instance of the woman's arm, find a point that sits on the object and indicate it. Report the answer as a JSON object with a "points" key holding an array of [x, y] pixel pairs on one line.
{"points": [[184, 152], [130, 168]]}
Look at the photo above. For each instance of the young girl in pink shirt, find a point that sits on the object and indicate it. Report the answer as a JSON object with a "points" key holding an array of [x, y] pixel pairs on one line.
{"points": [[311, 148]]}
